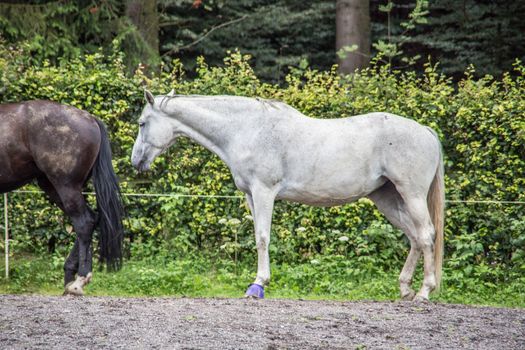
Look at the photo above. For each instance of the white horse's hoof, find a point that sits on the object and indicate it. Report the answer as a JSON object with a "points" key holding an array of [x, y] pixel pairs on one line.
{"points": [[77, 286], [421, 299], [255, 291], [409, 296]]}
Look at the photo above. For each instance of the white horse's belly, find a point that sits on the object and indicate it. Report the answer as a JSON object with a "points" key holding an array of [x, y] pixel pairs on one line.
{"points": [[316, 200], [330, 171], [330, 193]]}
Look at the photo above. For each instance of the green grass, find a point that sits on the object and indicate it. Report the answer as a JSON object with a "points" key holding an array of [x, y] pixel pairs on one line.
{"points": [[201, 277]]}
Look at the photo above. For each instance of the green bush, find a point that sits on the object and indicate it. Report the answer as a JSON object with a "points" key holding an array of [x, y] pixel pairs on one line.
{"points": [[481, 124]]}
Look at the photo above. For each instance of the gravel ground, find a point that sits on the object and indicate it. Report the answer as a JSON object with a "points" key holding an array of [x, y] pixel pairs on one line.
{"points": [[43, 322]]}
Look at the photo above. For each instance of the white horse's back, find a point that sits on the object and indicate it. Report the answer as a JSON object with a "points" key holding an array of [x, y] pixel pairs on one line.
{"points": [[328, 162]]}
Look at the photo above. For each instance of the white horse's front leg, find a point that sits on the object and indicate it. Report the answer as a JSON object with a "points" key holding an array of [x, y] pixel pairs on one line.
{"points": [[261, 206]]}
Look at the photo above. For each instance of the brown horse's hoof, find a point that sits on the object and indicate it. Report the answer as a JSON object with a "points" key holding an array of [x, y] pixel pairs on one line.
{"points": [[77, 286], [73, 289]]}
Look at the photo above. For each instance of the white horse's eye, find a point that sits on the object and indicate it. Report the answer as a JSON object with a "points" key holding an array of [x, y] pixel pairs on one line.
{"points": [[141, 124]]}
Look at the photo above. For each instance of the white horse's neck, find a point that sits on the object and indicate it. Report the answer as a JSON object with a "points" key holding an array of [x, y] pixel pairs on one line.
{"points": [[209, 121]]}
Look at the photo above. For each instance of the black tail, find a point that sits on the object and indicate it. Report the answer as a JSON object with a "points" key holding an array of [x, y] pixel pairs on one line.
{"points": [[109, 205]]}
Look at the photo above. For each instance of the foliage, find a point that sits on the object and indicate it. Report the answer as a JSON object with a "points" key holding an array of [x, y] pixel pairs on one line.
{"points": [[460, 33], [480, 122], [280, 35], [392, 47], [53, 30], [284, 34], [277, 34]]}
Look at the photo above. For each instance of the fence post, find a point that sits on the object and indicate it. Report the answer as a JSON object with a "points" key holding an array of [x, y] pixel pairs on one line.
{"points": [[6, 227]]}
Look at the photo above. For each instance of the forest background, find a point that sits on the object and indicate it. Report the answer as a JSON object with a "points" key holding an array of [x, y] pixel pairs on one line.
{"points": [[453, 65]]}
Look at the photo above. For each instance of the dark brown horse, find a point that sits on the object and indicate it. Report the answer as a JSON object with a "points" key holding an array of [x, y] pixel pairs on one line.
{"points": [[62, 147]]}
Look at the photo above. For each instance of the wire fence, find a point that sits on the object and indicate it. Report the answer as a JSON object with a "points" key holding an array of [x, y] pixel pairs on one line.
{"points": [[167, 195], [181, 195]]}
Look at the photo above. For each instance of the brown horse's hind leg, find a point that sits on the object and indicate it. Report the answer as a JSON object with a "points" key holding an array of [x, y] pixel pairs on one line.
{"points": [[53, 196], [80, 258], [71, 264], [49, 189]]}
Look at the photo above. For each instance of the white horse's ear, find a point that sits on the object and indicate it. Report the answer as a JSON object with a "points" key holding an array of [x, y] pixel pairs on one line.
{"points": [[149, 97], [171, 93]]}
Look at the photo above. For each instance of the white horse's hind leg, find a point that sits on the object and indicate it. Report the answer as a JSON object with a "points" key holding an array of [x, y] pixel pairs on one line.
{"points": [[425, 234], [391, 204], [405, 278], [261, 204]]}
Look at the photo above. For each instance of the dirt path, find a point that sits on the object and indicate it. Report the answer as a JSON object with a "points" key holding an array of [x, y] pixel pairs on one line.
{"points": [[178, 323]]}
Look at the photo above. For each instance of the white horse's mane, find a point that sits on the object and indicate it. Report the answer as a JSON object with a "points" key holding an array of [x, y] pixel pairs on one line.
{"points": [[273, 103]]}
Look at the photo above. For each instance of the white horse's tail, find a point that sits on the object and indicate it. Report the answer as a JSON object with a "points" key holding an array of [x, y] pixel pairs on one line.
{"points": [[436, 207]]}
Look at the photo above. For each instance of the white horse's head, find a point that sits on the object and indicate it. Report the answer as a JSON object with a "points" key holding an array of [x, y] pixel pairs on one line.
{"points": [[155, 133]]}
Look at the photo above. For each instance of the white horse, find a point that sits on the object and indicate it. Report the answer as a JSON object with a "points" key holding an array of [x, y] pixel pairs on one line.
{"points": [[275, 152]]}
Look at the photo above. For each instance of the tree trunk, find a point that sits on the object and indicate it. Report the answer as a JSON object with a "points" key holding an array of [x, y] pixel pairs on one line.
{"points": [[143, 15], [353, 28]]}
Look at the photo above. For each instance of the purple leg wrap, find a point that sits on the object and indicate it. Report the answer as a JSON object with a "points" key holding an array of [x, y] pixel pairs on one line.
{"points": [[255, 290]]}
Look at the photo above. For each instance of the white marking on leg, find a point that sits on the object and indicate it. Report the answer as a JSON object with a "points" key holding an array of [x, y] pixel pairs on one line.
{"points": [[77, 286]]}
